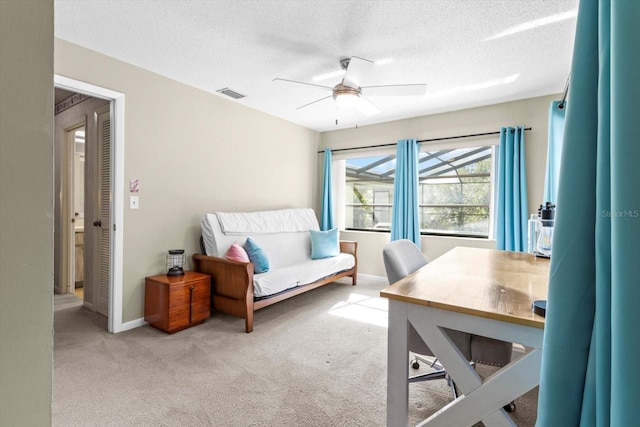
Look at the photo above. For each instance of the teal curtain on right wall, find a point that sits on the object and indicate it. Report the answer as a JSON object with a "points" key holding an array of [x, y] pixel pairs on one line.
{"points": [[554, 150], [591, 351]]}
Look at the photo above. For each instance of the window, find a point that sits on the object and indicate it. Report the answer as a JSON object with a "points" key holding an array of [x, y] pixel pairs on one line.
{"points": [[454, 191]]}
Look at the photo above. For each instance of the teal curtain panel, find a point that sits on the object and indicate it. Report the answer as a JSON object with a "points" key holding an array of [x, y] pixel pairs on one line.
{"points": [[327, 221], [405, 222], [554, 150], [590, 372], [512, 207]]}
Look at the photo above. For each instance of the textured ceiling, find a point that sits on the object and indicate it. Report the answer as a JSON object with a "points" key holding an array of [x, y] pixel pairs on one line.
{"points": [[245, 44]]}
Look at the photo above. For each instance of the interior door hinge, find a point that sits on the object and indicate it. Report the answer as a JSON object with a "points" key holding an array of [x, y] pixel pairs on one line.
{"points": [[114, 227]]}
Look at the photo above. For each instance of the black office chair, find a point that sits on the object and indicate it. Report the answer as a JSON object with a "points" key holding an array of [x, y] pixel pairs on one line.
{"points": [[403, 257]]}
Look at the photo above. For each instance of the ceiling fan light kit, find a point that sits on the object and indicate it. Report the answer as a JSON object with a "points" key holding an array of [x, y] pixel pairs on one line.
{"points": [[346, 97]]}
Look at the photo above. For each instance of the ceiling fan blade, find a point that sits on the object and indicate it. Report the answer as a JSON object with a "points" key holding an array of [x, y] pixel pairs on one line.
{"points": [[313, 102], [356, 70], [395, 90], [303, 83], [366, 107]]}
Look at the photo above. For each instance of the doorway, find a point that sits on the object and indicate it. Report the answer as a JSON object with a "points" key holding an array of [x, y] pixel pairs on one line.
{"points": [[82, 184], [102, 114], [76, 140]]}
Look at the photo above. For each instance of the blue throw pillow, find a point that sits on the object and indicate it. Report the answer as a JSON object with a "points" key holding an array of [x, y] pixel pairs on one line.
{"points": [[256, 256], [324, 244]]}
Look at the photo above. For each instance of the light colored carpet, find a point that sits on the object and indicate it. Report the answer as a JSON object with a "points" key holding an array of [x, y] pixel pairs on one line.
{"points": [[65, 301], [318, 359]]}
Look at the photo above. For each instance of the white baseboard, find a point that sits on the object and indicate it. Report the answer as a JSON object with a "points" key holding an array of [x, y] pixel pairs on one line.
{"points": [[372, 277], [132, 325]]}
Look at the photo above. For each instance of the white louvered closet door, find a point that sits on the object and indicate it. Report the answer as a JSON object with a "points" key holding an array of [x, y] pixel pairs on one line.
{"points": [[104, 207]]}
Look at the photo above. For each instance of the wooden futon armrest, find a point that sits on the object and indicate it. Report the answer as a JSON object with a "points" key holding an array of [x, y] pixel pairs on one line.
{"points": [[349, 247], [232, 279]]}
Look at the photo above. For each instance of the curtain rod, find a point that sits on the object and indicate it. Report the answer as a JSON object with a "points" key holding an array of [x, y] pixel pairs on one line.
{"points": [[420, 140], [564, 95]]}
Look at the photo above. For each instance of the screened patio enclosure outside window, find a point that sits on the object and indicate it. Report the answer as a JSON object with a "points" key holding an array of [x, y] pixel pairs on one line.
{"points": [[454, 192]]}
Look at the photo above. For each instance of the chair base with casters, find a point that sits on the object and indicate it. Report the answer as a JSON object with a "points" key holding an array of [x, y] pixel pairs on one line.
{"points": [[439, 373], [415, 364], [403, 257]]}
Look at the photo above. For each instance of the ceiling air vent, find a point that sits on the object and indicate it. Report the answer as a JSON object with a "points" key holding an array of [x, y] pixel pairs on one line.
{"points": [[232, 93]]}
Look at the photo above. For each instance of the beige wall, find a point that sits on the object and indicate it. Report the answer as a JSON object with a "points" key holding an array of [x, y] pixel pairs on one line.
{"points": [[530, 112], [193, 152], [26, 212]]}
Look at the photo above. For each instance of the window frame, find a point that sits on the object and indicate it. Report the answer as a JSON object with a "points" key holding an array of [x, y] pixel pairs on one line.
{"points": [[339, 175]]}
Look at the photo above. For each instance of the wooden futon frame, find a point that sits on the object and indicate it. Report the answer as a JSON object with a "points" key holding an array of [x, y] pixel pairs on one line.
{"points": [[232, 284]]}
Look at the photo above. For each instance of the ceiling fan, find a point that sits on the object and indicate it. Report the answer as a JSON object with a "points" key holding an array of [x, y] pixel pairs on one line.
{"points": [[350, 92]]}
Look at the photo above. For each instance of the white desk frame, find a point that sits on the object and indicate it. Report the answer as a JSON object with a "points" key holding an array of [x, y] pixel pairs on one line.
{"points": [[482, 292], [479, 399]]}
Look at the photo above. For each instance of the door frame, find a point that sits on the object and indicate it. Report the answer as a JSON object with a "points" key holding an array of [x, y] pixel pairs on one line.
{"points": [[117, 190], [68, 188]]}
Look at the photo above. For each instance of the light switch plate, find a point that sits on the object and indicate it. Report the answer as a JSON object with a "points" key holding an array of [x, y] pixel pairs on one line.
{"points": [[134, 202]]}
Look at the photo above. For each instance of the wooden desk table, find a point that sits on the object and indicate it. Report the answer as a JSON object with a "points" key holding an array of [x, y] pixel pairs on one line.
{"points": [[481, 291]]}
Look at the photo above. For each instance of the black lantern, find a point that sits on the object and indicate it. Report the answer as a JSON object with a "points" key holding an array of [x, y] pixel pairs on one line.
{"points": [[176, 261]]}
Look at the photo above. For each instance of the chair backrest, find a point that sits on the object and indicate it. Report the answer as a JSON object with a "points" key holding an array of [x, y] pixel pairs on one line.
{"points": [[401, 258]]}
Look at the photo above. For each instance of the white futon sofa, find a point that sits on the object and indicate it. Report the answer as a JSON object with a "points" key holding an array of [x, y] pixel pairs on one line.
{"points": [[284, 237]]}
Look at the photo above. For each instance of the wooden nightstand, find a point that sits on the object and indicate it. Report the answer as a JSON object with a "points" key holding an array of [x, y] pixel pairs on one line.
{"points": [[175, 303]]}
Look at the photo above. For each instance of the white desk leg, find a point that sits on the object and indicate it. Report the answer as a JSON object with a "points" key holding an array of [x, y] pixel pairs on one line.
{"points": [[480, 400], [397, 365], [505, 385], [508, 383]]}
